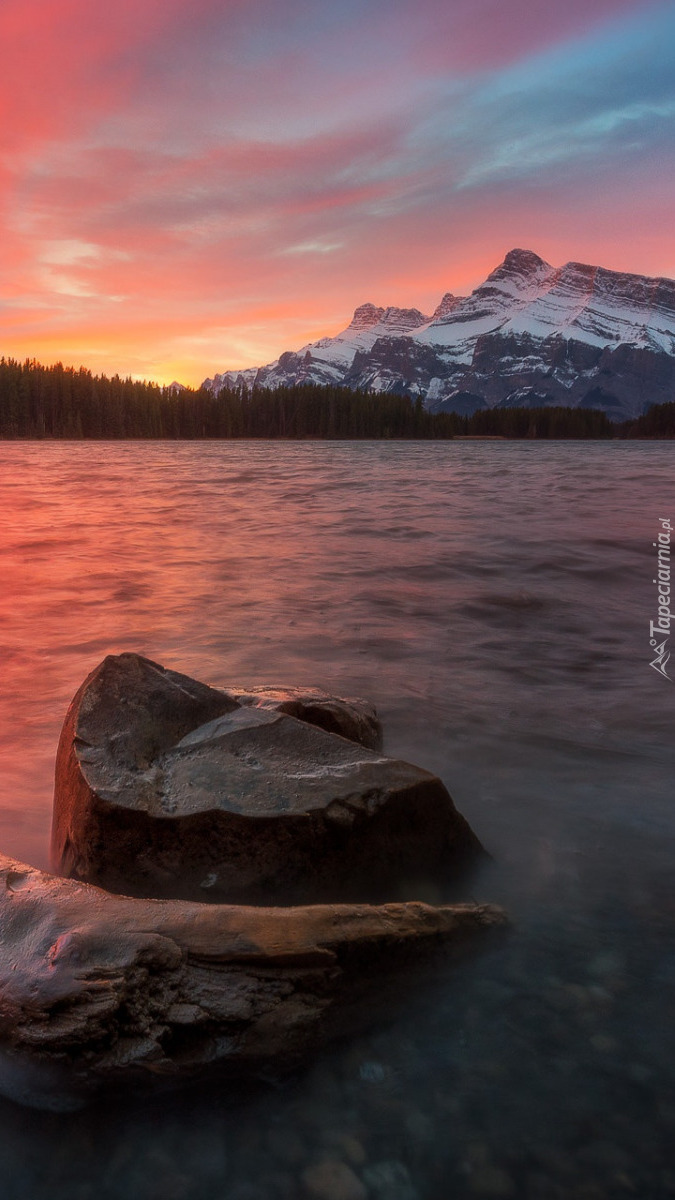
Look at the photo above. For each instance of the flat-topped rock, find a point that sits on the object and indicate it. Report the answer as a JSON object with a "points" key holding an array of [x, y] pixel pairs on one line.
{"points": [[165, 787], [98, 988]]}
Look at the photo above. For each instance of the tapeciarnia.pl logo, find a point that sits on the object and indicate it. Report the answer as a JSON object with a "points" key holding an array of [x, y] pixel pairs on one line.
{"points": [[661, 625]]}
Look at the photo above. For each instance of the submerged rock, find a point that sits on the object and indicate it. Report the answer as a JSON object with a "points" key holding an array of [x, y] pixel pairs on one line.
{"points": [[168, 788], [101, 988], [332, 1179], [390, 1180]]}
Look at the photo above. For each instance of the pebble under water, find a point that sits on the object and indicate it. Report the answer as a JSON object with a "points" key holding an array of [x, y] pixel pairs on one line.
{"points": [[494, 600]]}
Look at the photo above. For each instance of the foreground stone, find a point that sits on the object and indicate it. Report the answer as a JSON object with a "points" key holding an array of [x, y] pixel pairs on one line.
{"points": [[168, 788], [350, 717], [104, 988]]}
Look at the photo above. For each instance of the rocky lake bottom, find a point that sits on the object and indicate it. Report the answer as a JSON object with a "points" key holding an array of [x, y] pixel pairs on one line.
{"points": [[494, 601]]}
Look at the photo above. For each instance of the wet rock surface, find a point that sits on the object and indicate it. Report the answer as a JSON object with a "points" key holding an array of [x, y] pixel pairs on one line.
{"points": [[101, 988], [351, 717], [168, 788]]}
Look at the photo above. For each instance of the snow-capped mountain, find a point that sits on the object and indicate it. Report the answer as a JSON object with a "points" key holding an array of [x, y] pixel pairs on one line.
{"points": [[530, 334]]}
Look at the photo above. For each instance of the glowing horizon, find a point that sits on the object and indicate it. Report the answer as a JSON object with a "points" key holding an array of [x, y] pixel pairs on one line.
{"points": [[190, 189]]}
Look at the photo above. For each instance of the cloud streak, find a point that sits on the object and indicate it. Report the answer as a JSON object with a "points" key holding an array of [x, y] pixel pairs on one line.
{"points": [[189, 188]]}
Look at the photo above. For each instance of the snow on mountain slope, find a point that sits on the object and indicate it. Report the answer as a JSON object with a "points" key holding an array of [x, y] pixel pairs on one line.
{"points": [[446, 306], [327, 360], [366, 326], [531, 333], [602, 308], [515, 283], [527, 296]]}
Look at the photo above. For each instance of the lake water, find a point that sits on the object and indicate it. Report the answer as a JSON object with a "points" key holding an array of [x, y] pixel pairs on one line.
{"points": [[494, 600]]}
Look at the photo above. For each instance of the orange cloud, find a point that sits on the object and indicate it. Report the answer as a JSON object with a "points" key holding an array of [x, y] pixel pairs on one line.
{"points": [[186, 188]]}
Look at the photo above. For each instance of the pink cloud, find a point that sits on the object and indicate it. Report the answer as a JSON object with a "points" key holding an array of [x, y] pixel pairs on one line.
{"points": [[465, 37], [182, 178]]}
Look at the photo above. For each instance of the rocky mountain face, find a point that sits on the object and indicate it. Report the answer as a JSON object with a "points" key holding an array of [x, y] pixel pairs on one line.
{"points": [[531, 334]]}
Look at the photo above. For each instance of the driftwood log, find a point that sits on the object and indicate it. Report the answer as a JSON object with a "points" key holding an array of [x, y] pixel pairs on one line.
{"points": [[102, 988]]}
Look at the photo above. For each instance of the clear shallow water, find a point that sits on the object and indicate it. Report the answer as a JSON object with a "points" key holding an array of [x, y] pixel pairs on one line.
{"points": [[494, 600]]}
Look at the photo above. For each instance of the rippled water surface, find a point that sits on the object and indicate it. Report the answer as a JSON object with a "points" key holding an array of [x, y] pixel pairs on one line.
{"points": [[494, 600]]}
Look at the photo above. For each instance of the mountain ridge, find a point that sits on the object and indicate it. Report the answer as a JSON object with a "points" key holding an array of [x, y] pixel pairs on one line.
{"points": [[530, 334]]}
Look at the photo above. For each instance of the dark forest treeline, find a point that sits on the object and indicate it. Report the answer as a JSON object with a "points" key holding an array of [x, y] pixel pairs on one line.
{"points": [[550, 422], [657, 422], [63, 402]]}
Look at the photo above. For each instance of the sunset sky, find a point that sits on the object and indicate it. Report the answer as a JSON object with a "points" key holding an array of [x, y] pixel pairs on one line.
{"points": [[193, 185]]}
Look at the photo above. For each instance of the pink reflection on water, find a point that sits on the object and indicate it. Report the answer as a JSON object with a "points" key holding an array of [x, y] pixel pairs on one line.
{"points": [[475, 593]]}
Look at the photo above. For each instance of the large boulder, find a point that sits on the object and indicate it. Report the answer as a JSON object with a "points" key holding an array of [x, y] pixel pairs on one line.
{"points": [[97, 988], [166, 787]]}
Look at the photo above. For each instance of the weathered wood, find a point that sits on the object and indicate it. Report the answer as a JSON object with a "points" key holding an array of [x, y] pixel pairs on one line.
{"points": [[105, 987]]}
